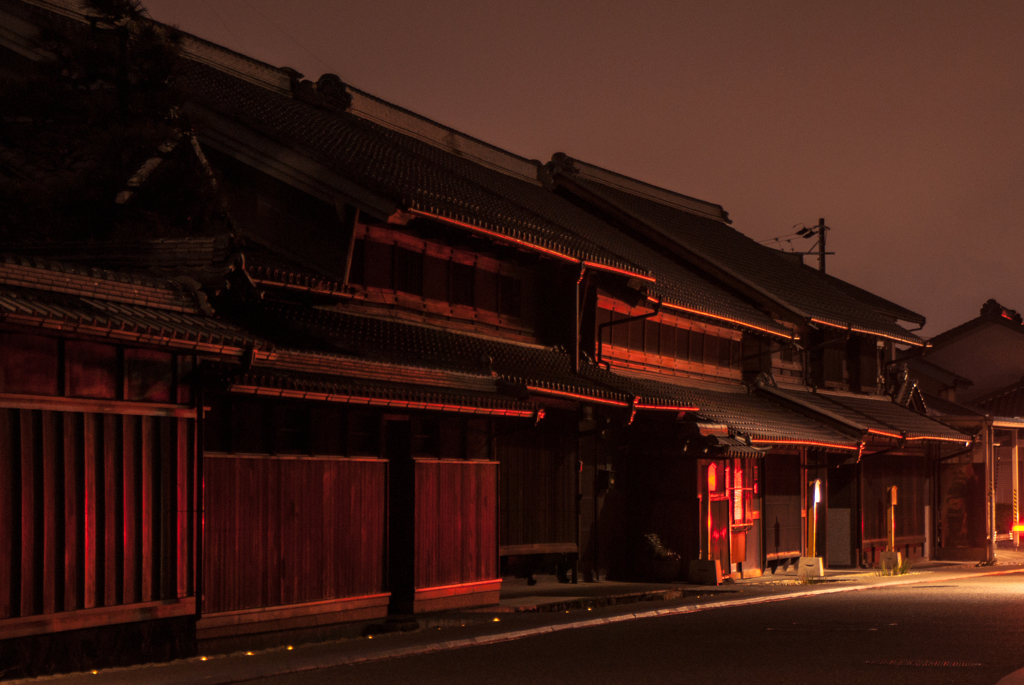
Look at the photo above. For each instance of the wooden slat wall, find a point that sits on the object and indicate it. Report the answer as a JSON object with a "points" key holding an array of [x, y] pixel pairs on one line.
{"points": [[908, 474], [71, 484], [456, 526], [782, 503], [538, 486], [287, 531]]}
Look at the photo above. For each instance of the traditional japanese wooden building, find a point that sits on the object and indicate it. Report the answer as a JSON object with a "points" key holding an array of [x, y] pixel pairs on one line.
{"points": [[100, 497], [415, 363], [969, 378], [832, 369]]}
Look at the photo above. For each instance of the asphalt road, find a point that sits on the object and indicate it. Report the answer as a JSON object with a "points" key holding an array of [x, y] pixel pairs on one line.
{"points": [[966, 631]]}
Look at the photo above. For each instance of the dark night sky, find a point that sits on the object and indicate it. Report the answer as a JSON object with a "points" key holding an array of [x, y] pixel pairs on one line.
{"points": [[899, 122]]}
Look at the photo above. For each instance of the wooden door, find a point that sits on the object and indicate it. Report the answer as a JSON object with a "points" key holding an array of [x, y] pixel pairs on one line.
{"points": [[721, 540]]}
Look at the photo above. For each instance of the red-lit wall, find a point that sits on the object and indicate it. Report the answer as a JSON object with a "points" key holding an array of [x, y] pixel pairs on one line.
{"points": [[283, 531], [456, 522], [539, 472]]}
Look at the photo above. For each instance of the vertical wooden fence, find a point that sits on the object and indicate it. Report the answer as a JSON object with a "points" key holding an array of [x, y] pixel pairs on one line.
{"points": [[282, 532], [96, 515], [538, 491], [456, 531]]}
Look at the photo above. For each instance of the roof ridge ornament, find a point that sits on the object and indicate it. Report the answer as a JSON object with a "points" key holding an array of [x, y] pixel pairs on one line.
{"points": [[994, 309], [329, 92]]}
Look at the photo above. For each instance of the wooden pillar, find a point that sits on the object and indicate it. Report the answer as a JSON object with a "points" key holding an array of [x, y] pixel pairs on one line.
{"points": [[112, 540], [7, 514], [401, 515], [53, 510], [130, 449], [990, 486], [147, 493], [29, 529], [857, 518], [72, 511], [92, 509], [183, 442], [1015, 465]]}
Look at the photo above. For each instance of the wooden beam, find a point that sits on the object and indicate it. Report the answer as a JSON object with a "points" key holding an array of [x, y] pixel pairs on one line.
{"points": [[349, 217], [99, 616], [539, 548], [285, 164], [292, 616], [68, 404]]}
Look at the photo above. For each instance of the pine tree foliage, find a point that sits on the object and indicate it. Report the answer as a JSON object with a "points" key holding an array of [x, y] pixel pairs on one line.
{"points": [[78, 128]]}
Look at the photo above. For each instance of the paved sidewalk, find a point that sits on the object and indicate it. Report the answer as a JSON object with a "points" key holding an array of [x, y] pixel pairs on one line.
{"points": [[525, 611]]}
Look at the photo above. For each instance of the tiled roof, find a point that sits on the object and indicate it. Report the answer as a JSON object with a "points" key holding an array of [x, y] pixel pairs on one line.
{"points": [[791, 284], [375, 393], [873, 414], [992, 313], [923, 367], [424, 176], [674, 282], [939, 407], [745, 414], [168, 255], [120, 322], [334, 365], [1008, 401], [530, 368], [362, 152], [99, 284], [876, 302]]}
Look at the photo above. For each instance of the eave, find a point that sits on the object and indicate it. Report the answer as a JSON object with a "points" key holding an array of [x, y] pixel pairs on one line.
{"points": [[745, 287]]}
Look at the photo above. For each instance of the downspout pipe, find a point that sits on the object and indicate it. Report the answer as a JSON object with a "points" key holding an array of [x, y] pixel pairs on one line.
{"points": [[601, 328], [579, 317], [199, 498]]}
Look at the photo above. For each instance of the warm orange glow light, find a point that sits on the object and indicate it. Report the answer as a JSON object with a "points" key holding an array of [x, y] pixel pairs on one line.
{"points": [[666, 407], [809, 443], [613, 269], [723, 318], [493, 234], [1018, 528], [576, 396], [854, 329], [380, 402], [712, 478]]}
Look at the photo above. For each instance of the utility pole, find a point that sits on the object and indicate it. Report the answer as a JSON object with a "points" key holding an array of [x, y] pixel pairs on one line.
{"points": [[822, 228], [818, 230]]}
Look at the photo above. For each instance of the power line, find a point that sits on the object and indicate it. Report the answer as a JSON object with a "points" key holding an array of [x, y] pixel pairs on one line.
{"points": [[287, 35]]}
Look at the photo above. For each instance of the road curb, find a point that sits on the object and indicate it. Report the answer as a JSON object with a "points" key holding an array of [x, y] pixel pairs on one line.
{"points": [[248, 668], [654, 613]]}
